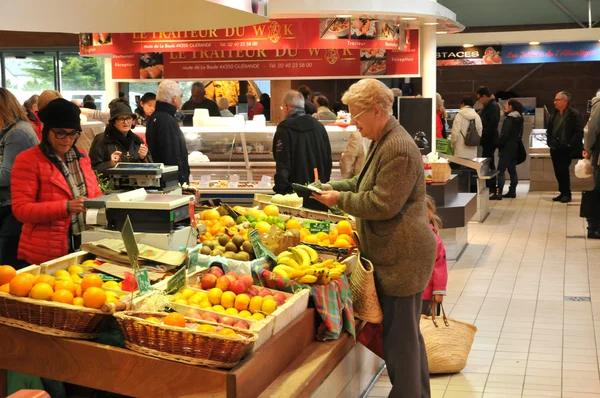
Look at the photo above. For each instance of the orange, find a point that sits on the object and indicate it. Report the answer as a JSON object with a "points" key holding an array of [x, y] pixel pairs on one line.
{"points": [[311, 239], [344, 227], [5, 288], [31, 277], [342, 243], [211, 215], [63, 296], [227, 221], [41, 291], [78, 301], [91, 281], [345, 237], [45, 278], [7, 273], [78, 292], [68, 285], [322, 236], [21, 285], [174, 319], [304, 233], [228, 299], [292, 224], [227, 332], [271, 210], [333, 235], [94, 297], [263, 227], [325, 242]]}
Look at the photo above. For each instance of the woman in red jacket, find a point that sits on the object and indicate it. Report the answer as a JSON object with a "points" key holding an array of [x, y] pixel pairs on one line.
{"points": [[49, 184]]}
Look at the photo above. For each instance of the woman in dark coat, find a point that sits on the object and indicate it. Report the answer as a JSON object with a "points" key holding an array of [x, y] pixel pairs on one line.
{"points": [[118, 143], [508, 149]]}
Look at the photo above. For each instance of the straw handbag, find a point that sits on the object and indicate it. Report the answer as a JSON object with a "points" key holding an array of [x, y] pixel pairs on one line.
{"points": [[362, 286], [448, 345]]}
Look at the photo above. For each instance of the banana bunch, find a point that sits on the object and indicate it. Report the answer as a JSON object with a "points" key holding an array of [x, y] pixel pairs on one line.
{"points": [[301, 264]]}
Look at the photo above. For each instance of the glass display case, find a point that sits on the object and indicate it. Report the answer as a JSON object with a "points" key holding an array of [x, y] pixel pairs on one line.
{"points": [[537, 143]]}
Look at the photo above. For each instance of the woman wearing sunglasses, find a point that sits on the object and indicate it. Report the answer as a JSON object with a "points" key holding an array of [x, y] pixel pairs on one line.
{"points": [[49, 183], [118, 143]]}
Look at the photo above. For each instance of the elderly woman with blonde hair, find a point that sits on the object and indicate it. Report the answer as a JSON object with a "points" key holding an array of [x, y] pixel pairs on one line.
{"points": [[224, 107], [388, 200]]}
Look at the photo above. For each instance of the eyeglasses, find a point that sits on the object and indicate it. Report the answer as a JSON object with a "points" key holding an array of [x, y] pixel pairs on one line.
{"points": [[127, 119], [60, 134], [353, 118], [558, 99]]}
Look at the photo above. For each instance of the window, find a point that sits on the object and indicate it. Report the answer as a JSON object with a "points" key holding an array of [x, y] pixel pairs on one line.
{"points": [[80, 76], [29, 73]]}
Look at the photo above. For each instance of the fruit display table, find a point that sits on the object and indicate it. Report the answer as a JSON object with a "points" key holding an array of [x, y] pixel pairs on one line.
{"points": [[126, 372]]}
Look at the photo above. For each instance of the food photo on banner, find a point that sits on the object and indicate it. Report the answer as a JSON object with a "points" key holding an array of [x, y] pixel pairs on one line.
{"points": [[552, 52], [373, 62], [151, 66], [477, 55]]}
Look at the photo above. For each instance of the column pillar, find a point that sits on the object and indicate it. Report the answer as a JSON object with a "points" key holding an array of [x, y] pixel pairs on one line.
{"points": [[428, 44], [111, 88], [278, 90]]}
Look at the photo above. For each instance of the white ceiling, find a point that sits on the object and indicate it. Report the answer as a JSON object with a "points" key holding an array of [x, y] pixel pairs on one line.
{"points": [[473, 13]]}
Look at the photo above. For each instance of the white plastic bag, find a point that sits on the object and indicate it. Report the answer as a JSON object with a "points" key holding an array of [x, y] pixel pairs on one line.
{"points": [[583, 169]]}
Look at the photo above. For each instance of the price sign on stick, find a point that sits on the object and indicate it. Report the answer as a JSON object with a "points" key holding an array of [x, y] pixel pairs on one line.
{"points": [[177, 281], [141, 275]]}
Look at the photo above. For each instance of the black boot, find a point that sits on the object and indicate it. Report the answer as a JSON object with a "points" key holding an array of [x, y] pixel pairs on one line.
{"points": [[557, 198], [497, 195], [512, 193]]}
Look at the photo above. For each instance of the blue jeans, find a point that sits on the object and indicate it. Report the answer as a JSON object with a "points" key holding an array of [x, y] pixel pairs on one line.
{"points": [[594, 223]]}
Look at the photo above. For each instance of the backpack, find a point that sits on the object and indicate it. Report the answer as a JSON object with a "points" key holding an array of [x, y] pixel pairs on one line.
{"points": [[472, 138]]}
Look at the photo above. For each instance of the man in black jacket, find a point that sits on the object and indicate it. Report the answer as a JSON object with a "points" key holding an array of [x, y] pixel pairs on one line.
{"points": [[564, 135], [163, 135], [490, 118], [300, 145], [198, 100]]}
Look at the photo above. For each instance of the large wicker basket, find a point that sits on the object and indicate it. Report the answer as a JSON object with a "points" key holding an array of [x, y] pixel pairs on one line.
{"points": [[440, 172], [52, 318], [183, 344]]}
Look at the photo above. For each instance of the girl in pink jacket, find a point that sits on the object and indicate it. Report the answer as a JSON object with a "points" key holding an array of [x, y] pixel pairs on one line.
{"points": [[436, 289]]}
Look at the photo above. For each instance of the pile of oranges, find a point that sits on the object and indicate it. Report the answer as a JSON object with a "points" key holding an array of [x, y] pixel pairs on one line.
{"points": [[217, 224], [88, 293], [340, 237]]}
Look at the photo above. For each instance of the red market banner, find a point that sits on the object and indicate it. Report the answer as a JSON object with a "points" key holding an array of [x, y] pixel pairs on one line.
{"points": [[272, 64], [326, 33]]}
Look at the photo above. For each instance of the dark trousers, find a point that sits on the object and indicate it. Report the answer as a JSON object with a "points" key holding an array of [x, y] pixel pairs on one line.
{"points": [[404, 348], [490, 152], [511, 166], [561, 160], [10, 233], [594, 224]]}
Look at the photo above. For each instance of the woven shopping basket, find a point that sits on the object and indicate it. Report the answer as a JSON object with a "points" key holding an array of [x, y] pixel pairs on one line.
{"points": [[448, 345], [440, 172], [52, 318], [362, 287], [186, 345]]}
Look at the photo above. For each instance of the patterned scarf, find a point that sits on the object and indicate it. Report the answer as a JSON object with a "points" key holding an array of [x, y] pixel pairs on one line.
{"points": [[71, 170]]}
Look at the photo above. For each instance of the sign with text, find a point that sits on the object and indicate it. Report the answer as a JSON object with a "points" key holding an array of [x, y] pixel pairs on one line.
{"points": [[143, 281], [479, 55], [551, 52], [177, 281], [318, 226], [276, 34]]}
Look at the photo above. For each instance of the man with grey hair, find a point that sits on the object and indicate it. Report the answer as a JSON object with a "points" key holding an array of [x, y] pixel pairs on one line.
{"points": [[564, 134], [198, 100], [300, 146], [164, 137]]}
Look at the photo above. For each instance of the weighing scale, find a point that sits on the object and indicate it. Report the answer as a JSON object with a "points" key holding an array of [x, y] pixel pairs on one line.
{"points": [[126, 176], [147, 212]]}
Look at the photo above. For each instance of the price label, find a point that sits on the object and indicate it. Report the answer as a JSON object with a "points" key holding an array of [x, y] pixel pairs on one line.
{"points": [[265, 182], [234, 181], [143, 281], [318, 226], [204, 181], [177, 281]]}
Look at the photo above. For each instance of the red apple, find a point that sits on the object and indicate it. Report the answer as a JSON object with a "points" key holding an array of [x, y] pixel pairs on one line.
{"points": [[238, 287], [209, 316], [265, 292], [227, 320], [216, 271], [279, 298], [223, 283], [208, 281], [241, 324], [252, 291], [193, 313], [247, 279], [234, 274]]}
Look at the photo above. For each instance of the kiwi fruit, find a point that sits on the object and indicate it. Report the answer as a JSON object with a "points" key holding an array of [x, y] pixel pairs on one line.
{"points": [[231, 247], [247, 247], [223, 239], [229, 255], [220, 248], [238, 240], [241, 256], [205, 250], [216, 252], [209, 243]]}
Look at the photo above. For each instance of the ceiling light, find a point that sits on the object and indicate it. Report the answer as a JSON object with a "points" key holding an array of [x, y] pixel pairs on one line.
{"points": [[344, 16], [534, 43], [408, 18], [430, 23], [441, 33], [467, 45]]}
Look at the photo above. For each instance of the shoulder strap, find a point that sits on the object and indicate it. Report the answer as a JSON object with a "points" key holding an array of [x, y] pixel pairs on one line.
{"points": [[7, 129], [370, 155]]}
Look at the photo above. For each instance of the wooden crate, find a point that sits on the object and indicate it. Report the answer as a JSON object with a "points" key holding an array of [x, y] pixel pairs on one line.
{"points": [[261, 201]]}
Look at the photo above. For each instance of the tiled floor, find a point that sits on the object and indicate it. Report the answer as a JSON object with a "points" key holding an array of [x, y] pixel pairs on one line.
{"points": [[511, 282]]}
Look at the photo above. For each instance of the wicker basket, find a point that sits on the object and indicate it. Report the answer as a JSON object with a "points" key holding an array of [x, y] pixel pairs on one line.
{"points": [[440, 171], [185, 345], [52, 318]]}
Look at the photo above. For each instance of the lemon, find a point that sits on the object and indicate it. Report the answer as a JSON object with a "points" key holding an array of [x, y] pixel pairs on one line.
{"points": [[269, 306], [258, 316], [78, 301], [75, 278], [207, 328], [218, 308], [41, 291], [112, 294], [112, 285], [245, 314], [205, 304], [153, 319], [112, 299], [75, 269], [62, 274], [181, 301], [232, 311], [186, 293]]}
